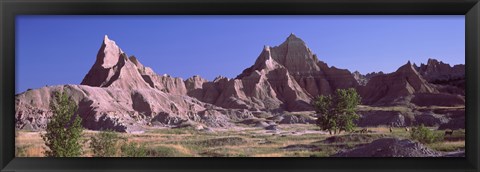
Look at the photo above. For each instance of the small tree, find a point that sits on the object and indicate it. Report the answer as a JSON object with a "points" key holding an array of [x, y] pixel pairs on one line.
{"points": [[104, 144], [64, 129], [337, 112], [425, 135]]}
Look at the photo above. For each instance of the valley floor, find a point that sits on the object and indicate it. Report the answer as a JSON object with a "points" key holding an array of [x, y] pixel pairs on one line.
{"points": [[289, 140]]}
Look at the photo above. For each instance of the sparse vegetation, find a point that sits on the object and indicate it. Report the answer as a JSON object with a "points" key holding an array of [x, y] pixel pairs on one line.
{"points": [[21, 151], [337, 112], [133, 149], [64, 129], [163, 151], [425, 135], [250, 142], [447, 146], [104, 144], [222, 141]]}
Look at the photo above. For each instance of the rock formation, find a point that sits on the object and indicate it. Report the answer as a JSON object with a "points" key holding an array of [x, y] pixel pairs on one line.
{"points": [[122, 94], [448, 79], [164, 83], [112, 68], [283, 77], [393, 87], [436, 70], [390, 147], [363, 79]]}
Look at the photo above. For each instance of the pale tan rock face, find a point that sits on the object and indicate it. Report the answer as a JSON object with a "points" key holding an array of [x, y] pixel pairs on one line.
{"points": [[163, 83], [387, 88], [285, 77], [119, 109], [194, 82], [122, 94], [112, 68], [110, 52], [295, 56]]}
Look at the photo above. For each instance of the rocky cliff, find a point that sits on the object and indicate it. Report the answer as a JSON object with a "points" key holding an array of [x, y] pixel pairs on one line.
{"points": [[122, 94], [284, 77]]}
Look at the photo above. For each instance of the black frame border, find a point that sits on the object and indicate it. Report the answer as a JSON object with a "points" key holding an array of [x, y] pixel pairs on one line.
{"points": [[10, 8]]}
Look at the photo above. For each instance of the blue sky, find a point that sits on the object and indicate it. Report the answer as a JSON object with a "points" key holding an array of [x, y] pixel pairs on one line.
{"points": [[53, 50]]}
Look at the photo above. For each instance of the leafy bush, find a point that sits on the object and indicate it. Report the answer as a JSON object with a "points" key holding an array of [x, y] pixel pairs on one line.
{"points": [[425, 135], [133, 149], [64, 129], [104, 144]]}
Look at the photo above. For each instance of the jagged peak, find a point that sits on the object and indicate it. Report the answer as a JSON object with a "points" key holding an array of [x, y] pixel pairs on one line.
{"points": [[415, 65], [109, 53], [196, 77], [219, 77], [105, 38], [266, 48], [108, 42], [433, 61], [408, 68], [292, 38], [375, 73]]}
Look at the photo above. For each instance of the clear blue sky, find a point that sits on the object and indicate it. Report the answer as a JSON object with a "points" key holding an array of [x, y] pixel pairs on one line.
{"points": [[53, 50]]}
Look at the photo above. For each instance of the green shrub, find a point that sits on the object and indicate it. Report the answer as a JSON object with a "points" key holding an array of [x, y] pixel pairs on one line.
{"points": [[104, 144], [425, 135], [133, 149], [64, 129], [21, 151]]}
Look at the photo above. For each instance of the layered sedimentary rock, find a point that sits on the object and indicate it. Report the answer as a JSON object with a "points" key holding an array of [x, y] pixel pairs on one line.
{"points": [[406, 86], [435, 71], [108, 108], [448, 79], [394, 87], [284, 77], [122, 94], [164, 83], [363, 79], [112, 68]]}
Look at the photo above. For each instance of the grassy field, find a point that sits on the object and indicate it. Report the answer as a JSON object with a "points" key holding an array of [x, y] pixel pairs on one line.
{"points": [[293, 140]]}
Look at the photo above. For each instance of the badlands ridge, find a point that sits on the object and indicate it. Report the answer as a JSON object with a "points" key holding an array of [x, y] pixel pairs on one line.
{"points": [[122, 94]]}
